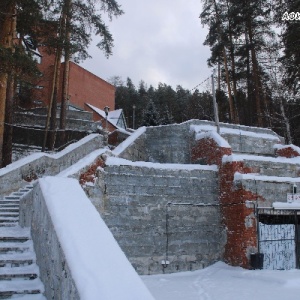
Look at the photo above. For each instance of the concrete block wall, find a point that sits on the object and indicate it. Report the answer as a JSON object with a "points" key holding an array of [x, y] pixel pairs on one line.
{"points": [[37, 165], [251, 145], [173, 143], [137, 150], [54, 270], [139, 202], [273, 167], [169, 144], [268, 190]]}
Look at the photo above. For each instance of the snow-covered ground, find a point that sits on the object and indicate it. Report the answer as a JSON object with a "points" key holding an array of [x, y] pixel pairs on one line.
{"points": [[223, 282]]}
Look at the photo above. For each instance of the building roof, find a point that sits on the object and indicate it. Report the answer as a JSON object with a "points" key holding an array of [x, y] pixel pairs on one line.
{"points": [[113, 116]]}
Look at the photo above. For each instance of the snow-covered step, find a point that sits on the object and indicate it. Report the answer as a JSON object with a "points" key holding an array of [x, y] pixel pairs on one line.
{"points": [[12, 197], [28, 297], [15, 233], [27, 272], [17, 194], [17, 247], [17, 259], [9, 214], [7, 224], [9, 219], [4, 209], [19, 274], [8, 205], [9, 288], [15, 200]]}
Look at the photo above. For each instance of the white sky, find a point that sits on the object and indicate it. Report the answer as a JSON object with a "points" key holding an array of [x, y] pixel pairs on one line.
{"points": [[155, 41]]}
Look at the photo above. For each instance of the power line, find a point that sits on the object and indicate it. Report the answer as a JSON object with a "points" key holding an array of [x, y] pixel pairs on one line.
{"points": [[206, 79]]}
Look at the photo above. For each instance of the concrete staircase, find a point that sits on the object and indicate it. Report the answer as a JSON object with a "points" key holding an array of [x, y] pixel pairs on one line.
{"points": [[19, 274]]}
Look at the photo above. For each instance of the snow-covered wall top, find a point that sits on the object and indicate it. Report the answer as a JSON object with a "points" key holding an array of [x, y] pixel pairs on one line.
{"points": [[173, 143], [221, 142], [39, 164], [239, 130], [115, 161], [241, 138], [244, 157], [99, 268], [129, 141]]}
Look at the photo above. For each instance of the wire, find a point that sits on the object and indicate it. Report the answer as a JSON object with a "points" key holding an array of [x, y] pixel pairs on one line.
{"points": [[206, 79]]}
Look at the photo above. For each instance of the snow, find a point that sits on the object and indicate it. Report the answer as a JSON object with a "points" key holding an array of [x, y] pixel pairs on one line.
{"points": [[118, 150], [286, 205], [29, 159], [119, 129], [257, 177], [280, 147], [99, 267], [221, 142], [29, 297], [235, 131], [116, 161], [112, 117], [242, 157], [223, 282], [82, 163]]}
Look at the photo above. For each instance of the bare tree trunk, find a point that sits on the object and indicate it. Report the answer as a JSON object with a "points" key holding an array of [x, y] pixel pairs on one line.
{"points": [[219, 76], [8, 128], [56, 66], [65, 93], [52, 108], [255, 77], [53, 123], [3, 85], [231, 105], [231, 49], [249, 110], [234, 79], [286, 122], [6, 40]]}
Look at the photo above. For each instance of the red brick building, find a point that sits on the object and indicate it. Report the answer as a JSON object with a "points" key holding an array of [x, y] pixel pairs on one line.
{"points": [[84, 86]]}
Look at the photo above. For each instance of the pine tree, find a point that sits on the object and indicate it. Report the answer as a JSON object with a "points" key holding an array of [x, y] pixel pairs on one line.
{"points": [[291, 43], [76, 21], [166, 117], [18, 15], [150, 115]]}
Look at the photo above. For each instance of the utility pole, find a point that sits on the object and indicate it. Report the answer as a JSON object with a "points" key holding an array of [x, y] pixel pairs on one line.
{"points": [[133, 116], [215, 102]]}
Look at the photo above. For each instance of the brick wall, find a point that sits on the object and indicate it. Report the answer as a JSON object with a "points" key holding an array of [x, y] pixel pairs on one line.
{"points": [[85, 87]]}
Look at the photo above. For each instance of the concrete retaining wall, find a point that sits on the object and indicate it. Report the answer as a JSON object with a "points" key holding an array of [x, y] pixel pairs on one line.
{"points": [[173, 143], [138, 203], [37, 165], [272, 168], [54, 270], [270, 190], [251, 145]]}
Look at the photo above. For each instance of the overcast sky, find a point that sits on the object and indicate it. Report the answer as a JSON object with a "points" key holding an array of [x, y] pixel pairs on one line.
{"points": [[155, 41]]}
